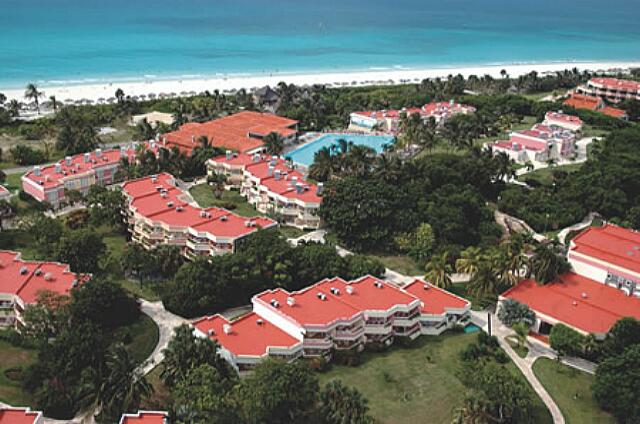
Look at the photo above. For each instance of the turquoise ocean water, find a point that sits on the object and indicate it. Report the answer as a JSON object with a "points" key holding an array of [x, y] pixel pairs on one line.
{"points": [[88, 41]]}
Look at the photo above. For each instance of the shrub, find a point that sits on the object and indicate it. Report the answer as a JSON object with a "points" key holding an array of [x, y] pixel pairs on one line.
{"points": [[512, 312]]}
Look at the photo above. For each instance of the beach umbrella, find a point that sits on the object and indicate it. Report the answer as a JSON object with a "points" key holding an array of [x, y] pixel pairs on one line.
{"points": [[88, 101], [192, 93], [68, 101], [152, 95], [183, 93], [143, 96], [163, 95]]}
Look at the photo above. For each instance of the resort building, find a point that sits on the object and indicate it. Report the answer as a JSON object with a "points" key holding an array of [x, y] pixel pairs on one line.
{"points": [[21, 282], [332, 314], [595, 104], [160, 213], [551, 140], [267, 98], [586, 305], [603, 287], [389, 120], [153, 118], [241, 132], [612, 89], [50, 183], [273, 186], [145, 417], [4, 193], [9, 415], [562, 120], [609, 255]]}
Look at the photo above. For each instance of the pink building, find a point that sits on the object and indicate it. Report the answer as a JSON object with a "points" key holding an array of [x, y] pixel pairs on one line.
{"points": [[273, 186], [542, 142], [613, 89], [145, 417], [79, 172], [20, 416], [160, 213], [389, 120], [332, 314], [22, 281]]}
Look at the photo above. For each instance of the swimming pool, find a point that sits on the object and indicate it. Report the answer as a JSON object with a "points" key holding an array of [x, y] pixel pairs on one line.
{"points": [[304, 155]]}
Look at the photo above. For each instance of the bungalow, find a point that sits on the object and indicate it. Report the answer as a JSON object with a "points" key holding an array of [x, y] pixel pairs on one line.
{"points": [[21, 282], [332, 314], [160, 213], [389, 120], [241, 132], [595, 104], [49, 183], [273, 186]]}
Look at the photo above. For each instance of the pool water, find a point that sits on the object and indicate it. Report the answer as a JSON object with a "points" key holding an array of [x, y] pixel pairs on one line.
{"points": [[304, 154], [471, 328]]}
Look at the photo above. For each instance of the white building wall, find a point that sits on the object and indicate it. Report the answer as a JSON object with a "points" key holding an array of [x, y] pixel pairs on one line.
{"points": [[587, 270]]}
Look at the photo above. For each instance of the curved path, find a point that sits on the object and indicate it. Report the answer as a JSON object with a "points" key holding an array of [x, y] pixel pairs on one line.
{"points": [[523, 364], [586, 222]]}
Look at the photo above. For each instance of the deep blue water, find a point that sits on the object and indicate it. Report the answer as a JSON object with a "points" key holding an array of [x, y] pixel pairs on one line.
{"points": [[304, 155], [88, 40]]}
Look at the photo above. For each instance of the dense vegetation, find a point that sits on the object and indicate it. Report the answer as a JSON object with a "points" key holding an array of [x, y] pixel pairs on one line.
{"points": [[264, 261]]}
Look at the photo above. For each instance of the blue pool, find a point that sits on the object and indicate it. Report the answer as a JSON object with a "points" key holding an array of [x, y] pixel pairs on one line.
{"points": [[304, 155], [471, 328]]}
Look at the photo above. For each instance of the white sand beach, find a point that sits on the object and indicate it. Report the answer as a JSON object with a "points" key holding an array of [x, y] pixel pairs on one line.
{"points": [[103, 91]]}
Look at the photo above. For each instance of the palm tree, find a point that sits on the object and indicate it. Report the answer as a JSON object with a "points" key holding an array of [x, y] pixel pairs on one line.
{"points": [[323, 165], [504, 164], [54, 103], [119, 95], [204, 141], [438, 271], [33, 94], [274, 143], [469, 261], [484, 282], [7, 210]]}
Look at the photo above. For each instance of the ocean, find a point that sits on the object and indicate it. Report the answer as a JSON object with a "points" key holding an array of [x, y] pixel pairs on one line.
{"points": [[54, 42]]}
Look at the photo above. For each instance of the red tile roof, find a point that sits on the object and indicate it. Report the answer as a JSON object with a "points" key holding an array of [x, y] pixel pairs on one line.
{"points": [[596, 104], [146, 198], [250, 335], [26, 279], [577, 301], [610, 243], [429, 109], [19, 416], [435, 301], [241, 132], [81, 164], [145, 417]]}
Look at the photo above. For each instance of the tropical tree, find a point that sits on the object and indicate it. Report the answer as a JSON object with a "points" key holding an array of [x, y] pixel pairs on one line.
{"points": [[522, 331], [217, 182], [273, 143], [82, 250], [484, 283], [7, 210], [32, 93], [54, 103], [438, 270], [470, 260], [323, 166], [616, 380], [504, 166], [547, 263], [565, 341], [341, 405], [512, 312], [119, 95]]}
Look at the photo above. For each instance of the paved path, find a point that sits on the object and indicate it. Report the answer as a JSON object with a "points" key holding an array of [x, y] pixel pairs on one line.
{"points": [[524, 364], [167, 323], [562, 235], [516, 225]]}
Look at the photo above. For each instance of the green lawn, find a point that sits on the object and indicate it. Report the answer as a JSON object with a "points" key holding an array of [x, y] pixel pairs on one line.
{"points": [[522, 351], [477, 304], [544, 176], [144, 337], [12, 357], [402, 264], [417, 384], [231, 199], [13, 182], [571, 389]]}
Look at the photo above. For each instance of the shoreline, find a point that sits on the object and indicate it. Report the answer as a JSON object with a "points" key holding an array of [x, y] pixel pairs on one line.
{"points": [[186, 87]]}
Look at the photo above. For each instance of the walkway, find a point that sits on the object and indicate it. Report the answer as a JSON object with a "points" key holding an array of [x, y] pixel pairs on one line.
{"points": [[167, 323], [515, 225], [586, 222], [523, 364]]}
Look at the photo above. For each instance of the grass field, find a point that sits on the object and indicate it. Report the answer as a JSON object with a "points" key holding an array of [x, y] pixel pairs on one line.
{"points": [[402, 264], [144, 338], [419, 384], [545, 176], [14, 357], [571, 389], [203, 194]]}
